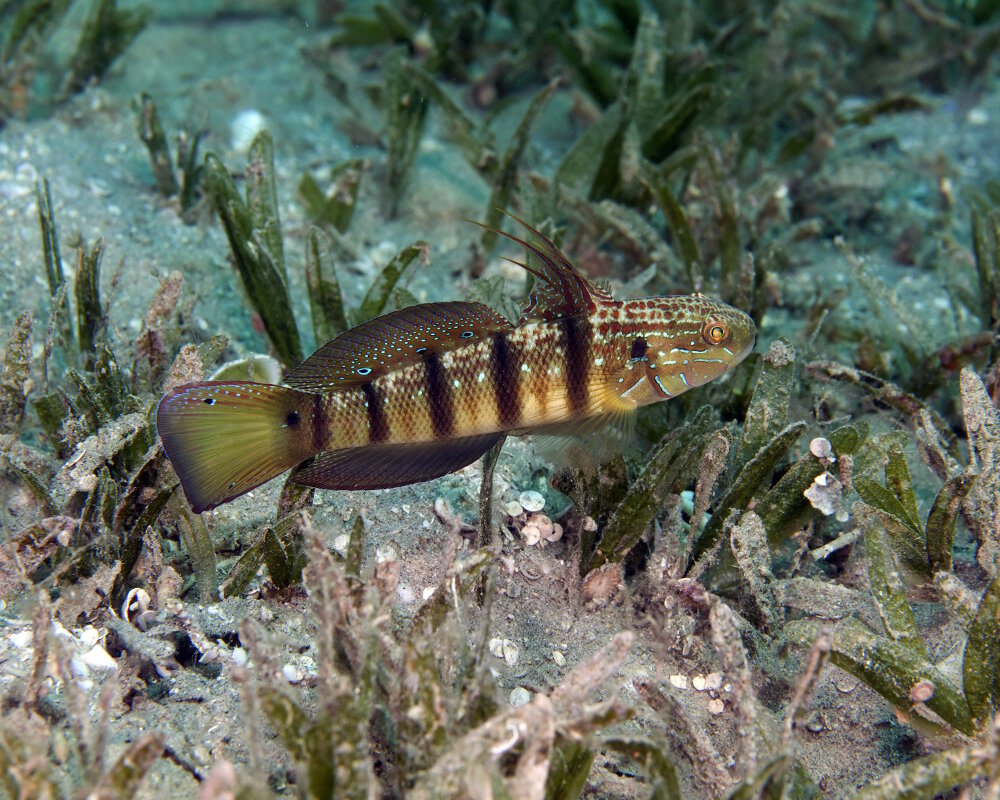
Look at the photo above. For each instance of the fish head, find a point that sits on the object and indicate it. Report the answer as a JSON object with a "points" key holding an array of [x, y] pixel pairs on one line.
{"points": [[682, 342]]}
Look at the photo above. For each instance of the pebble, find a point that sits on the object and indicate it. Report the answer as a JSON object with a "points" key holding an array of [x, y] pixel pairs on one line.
{"points": [[716, 706], [531, 501], [558, 658], [679, 681], [519, 696]]}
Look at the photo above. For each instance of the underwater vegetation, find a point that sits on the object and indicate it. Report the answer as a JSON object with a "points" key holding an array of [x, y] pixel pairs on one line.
{"points": [[831, 506], [26, 28]]}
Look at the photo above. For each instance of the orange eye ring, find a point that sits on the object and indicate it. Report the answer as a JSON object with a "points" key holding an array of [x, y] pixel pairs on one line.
{"points": [[715, 331]]}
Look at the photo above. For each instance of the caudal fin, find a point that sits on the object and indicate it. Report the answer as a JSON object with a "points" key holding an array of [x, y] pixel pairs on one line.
{"points": [[225, 438]]}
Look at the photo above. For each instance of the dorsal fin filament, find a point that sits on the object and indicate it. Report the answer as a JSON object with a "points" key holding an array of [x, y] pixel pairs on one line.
{"points": [[560, 290]]}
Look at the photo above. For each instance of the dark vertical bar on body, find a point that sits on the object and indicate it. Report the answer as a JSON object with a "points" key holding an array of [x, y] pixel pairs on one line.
{"points": [[576, 347], [504, 369], [439, 397], [378, 425], [319, 423]]}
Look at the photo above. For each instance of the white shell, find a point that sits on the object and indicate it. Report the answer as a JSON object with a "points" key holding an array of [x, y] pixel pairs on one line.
{"points": [[531, 500], [244, 127]]}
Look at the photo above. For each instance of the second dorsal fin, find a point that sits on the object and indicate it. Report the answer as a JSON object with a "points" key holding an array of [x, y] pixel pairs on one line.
{"points": [[394, 340], [560, 290]]}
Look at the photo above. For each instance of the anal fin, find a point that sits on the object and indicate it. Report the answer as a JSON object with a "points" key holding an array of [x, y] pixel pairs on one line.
{"points": [[384, 466]]}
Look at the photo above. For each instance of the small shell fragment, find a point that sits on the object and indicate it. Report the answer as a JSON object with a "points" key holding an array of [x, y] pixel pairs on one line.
{"points": [[531, 535], [97, 658], [921, 691], [531, 500], [716, 706], [514, 509], [821, 448], [505, 649], [825, 493], [679, 681], [544, 524], [90, 636], [137, 600], [698, 682], [558, 658], [601, 585], [384, 554], [519, 696]]}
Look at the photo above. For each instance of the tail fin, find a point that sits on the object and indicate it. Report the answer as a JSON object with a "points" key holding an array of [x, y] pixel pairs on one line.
{"points": [[226, 438]]}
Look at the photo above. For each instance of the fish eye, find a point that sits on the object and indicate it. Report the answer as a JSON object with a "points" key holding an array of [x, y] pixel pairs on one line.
{"points": [[715, 331]]}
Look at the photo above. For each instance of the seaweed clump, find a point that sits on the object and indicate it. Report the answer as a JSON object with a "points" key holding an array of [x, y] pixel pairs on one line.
{"points": [[423, 699], [29, 26]]}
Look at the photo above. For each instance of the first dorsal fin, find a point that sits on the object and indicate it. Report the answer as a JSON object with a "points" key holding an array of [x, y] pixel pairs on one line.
{"points": [[560, 290], [395, 340]]}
